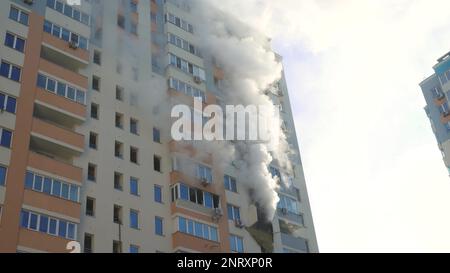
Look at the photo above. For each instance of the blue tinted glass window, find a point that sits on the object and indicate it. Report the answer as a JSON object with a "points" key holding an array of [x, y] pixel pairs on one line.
{"points": [[71, 93], [73, 193], [42, 81], [33, 221], [134, 187], [240, 245], [51, 85], [51, 3], [62, 230], [182, 225], [65, 35], [37, 183], [83, 43], [56, 191], [43, 224], [56, 31], [6, 138], [156, 135], [208, 199], [85, 18], [14, 14], [9, 40], [237, 214], [29, 180], [134, 219], [48, 27], [65, 191], [158, 226], [11, 105], [4, 69], [81, 96], [233, 243], [47, 185], [20, 44], [61, 89], [134, 249], [2, 175], [76, 15], [184, 192], [158, 194], [68, 10], [59, 6], [71, 231], [198, 229], [190, 227], [15, 73], [52, 226], [24, 217], [206, 232], [213, 234], [2, 100], [23, 18], [230, 212]]}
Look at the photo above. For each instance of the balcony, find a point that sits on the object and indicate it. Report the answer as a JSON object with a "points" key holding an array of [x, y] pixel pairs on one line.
{"points": [[60, 136], [63, 72], [42, 241], [181, 240], [59, 110], [60, 52], [296, 218], [51, 203], [51, 164], [295, 242]]}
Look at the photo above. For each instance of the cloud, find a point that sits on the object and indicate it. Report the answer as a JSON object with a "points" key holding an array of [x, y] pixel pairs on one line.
{"points": [[375, 174]]}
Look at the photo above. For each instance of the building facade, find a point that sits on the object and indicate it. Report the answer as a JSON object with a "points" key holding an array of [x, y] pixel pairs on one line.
{"points": [[86, 155], [435, 90]]}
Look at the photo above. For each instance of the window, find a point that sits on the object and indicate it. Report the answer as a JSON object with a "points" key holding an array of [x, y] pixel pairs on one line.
{"points": [[186, 89], [134, 249], [187, 67], [134, 154], [158, 194], [119, 93], [156, 135], [134, 219], [197, 229], [97, 57], [92, 172], [203, 198], [8, 103], [118, 181], [133, 6], [159, 228], [13, 41], [93, 140], [18, 15], [88, 243], [118, 150], [64, 34], [157, 163], [61, 89], [94, 111], [3, 172], [117, 247], [288, 203], [45, 224], [121, 21], [90, 206], [52, 186], [6, 138], [69, 11], [134, 28], [179, 23], [236, 244], [134, 186], [204, 173], [134, 128], [96, 83], [117, 217], [10, 71], [119, 120], [233, 213], [183, 44], [230, 183]]}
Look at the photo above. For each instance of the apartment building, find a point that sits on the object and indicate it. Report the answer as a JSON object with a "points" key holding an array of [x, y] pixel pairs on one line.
{"points": [[86, 153], [435, 90]]}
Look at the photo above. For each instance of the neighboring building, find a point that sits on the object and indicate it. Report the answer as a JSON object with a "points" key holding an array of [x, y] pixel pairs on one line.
{"points": [[435, 90], [81, 161]]}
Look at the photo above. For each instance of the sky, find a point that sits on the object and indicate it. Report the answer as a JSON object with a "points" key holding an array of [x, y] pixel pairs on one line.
{"points": [[375, 175]]}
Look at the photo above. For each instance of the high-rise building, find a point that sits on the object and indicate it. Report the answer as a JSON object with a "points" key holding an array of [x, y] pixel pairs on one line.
{"points": [[435, 90], [86, 153]]}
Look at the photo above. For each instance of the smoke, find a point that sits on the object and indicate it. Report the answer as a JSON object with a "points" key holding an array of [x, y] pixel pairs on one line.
{"points": [[250, 67]]}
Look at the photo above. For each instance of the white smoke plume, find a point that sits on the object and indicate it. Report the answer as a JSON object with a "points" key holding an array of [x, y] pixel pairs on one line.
{"points": [[250, 67]]}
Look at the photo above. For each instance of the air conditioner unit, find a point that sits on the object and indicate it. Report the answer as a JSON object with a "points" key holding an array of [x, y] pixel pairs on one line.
{"points": [[73, 45], [204, 182], [446, 114], [28, 2], [284, 211], [197, 80], [217, 213], [239, 224]]}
